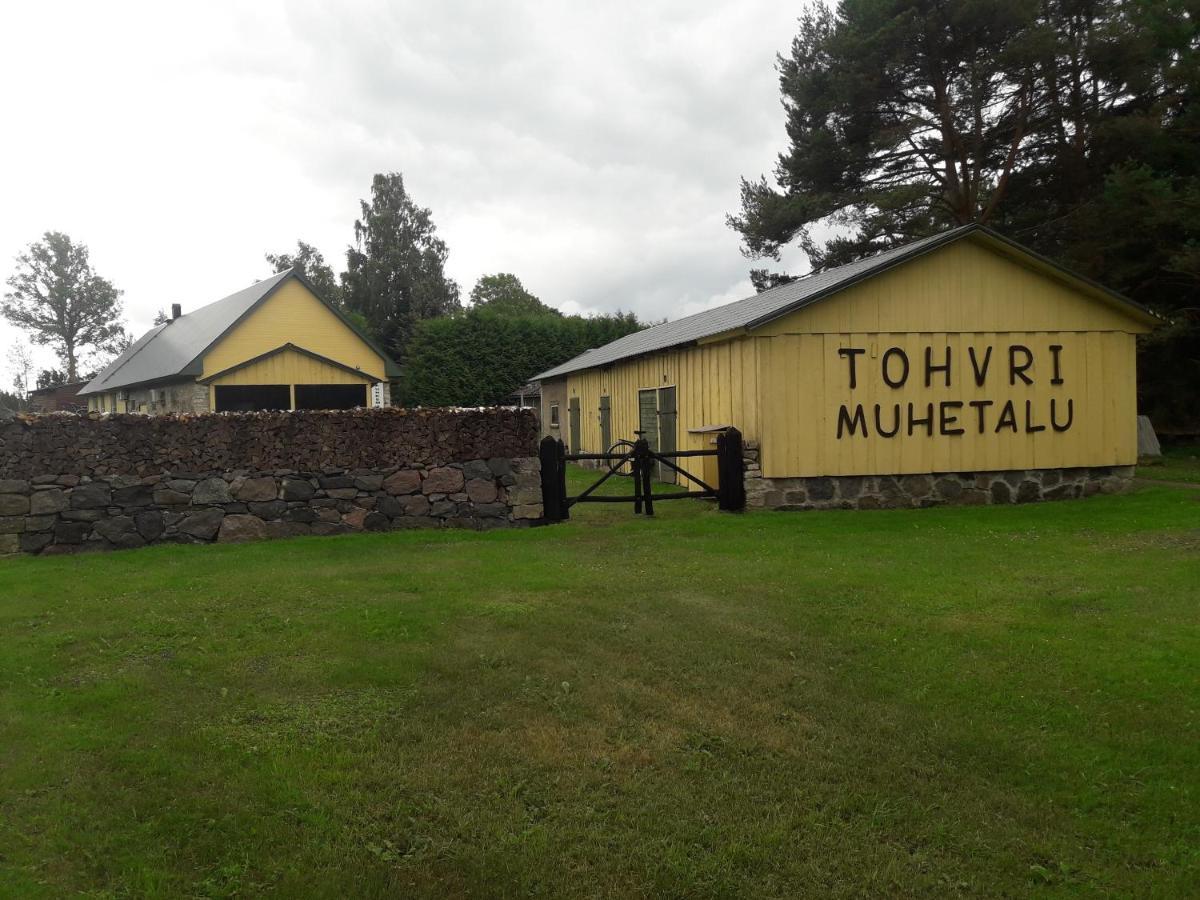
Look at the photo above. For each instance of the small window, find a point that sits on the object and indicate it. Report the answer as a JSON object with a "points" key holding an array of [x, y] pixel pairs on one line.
{"points": [[553, 415]]}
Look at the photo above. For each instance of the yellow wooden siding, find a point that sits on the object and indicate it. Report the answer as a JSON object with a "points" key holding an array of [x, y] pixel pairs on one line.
{"points": [[784, 384], [290, 367], [807, 384], [715, 384], [963, 287], [293, 315]]}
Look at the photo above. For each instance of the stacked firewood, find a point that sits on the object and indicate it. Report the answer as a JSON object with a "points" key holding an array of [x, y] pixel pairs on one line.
{"points": [[126, 444]]}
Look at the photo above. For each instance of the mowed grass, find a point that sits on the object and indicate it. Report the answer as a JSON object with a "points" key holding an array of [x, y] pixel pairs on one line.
{"points": [[950, 702], [1180, 463]]}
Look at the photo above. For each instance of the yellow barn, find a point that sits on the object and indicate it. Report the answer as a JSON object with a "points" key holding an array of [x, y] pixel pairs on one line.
{"points": [[962, 355], [274, 345]]}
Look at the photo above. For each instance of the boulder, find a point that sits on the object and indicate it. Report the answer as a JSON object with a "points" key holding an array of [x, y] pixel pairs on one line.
{"points": [[1028, 492], [1147, 440], [13, 486], [376, 521], [150, 524], [499, 465], [477, 468], [134, 495], [45, 503], [406, 481], [297, 490], [202, 524], [32, 542], [258, 490], [481, 491], [163, 497], [12, 524], [115, 528], [272, 509], [70, 532], [443, 480], [443, 508], [240, 527], [355, 518], [91, 496], [211, 491], [287, 529], [13, 505], [417, 506], [371, 482]]}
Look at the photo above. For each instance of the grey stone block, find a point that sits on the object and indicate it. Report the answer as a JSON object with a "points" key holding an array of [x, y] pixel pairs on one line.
{"points": [[14, 505], [211, 491], [48, 502], [202, 524]]}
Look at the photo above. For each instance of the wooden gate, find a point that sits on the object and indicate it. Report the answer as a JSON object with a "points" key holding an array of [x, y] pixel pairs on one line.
{"points": [[730, 492]]}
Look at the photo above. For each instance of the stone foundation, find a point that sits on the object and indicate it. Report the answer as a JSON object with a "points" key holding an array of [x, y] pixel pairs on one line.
{"points": [[69, 513], [937, 489]]}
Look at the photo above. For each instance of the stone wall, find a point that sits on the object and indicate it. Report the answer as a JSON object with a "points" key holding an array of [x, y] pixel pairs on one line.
{"points": [[179, 397], [944, 488], [465, 469]]}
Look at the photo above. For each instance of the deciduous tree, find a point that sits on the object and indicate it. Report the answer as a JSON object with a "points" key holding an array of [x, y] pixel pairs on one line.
{"points": [[395, 272], [57, 297], [312, 266]]}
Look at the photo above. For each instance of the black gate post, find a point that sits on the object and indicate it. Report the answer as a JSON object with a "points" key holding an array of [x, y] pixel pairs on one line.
{"points": [[731, 492], [548, 456], [564, 509], [641, 474]]}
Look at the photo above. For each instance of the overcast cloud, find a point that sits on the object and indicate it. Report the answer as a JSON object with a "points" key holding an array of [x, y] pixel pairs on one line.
{"points": [[592, 149]]}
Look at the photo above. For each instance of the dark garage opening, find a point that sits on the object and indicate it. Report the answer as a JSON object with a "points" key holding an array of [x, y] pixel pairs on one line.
{"points": [[251, 397], [330, 396]]}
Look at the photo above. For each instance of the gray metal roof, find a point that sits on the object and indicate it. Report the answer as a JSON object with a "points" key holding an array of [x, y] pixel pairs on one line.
{"points": [[770, 305], [176, 348], [755, 310]]}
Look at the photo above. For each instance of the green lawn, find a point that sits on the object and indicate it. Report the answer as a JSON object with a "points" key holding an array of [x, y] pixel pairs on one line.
{"points": [[1177, 464], [976, 702]]}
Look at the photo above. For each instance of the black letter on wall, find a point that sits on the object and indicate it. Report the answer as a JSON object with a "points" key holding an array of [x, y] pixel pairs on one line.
{"points": [[980, 372], [1070, 415], [930, 368], [850, 353], [1014, 370], [945, 420], [1056, 349], [880, 430], [846, 421], [895, 351]]}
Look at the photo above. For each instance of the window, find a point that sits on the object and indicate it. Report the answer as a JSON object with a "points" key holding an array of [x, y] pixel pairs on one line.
{"points": [[553, 415]]}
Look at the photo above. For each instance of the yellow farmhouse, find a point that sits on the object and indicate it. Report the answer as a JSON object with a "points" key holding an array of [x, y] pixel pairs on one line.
{"points": [[962, 355], [274, 345]]}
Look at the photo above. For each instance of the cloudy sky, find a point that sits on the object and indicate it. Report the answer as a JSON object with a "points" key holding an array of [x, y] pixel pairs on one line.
{"points": [[592, 149]]}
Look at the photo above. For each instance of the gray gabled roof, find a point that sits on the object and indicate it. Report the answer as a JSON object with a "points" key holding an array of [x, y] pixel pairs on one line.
{"points": [[760, 309], [176, 348]]}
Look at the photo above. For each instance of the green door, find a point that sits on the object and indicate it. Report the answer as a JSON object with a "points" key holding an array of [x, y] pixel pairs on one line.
{"points": [[605, 425], [573, 416], [667, 417]]}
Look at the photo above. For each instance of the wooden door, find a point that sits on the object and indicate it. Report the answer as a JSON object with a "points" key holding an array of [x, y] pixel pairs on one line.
{"points": [[668, 416], [605, 425], [573, 416]]}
